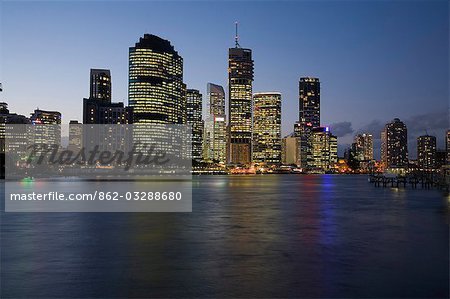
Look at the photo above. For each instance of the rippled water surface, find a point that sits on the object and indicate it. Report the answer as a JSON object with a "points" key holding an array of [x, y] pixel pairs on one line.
{"points": [[258, 236]]}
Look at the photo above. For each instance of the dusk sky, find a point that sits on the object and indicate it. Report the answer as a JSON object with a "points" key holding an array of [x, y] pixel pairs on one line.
{"points": [[376, 60]]}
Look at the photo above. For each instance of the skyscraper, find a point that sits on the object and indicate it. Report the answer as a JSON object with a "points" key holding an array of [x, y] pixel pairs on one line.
{"points": [[426, 152], [394, 145], [309, 102], [215, 125], [216, 99], [309, 116], [100, 85], [364, 147], [240, 78], [98, 108], [323, 149], [155, 83], [194, 119], [267, 127]]}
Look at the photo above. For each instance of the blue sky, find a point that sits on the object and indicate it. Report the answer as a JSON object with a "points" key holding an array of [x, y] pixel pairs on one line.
{"points": [[376, 59]]}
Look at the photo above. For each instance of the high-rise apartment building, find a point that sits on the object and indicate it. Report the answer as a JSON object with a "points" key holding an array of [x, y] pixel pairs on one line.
{"points": [[267, 127], [194, 119], [426, 152], [240, 79], [394, 145], [215, 135], [364, 147], [100, 85]]}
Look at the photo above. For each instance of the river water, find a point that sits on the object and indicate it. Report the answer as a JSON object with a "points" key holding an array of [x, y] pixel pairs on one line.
{"points": [[248, 236]]}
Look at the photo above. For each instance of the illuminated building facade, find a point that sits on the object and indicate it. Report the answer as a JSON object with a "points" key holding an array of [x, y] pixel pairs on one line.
{"points": [[155, 84], [240, 79], [215, 134], [394, 145], [157, 94], [267, 127], [309, 116], [309, 102], [97, 111], [75, 136], [323, 149], [216, 99], [46, 127], [100, 85], [45, 117], [10, 118], [194, 119], [426, 152], [364, 147]]}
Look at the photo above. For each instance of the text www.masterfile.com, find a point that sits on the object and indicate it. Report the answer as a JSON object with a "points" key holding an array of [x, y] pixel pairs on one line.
{"points": [[97, 195]]}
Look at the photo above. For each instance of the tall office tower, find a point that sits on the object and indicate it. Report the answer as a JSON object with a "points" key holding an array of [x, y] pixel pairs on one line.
{"points": [[394, 147], [215, 134], [100, 85], [309, 102], [240, 78], [323, 149], [98, 108], [364, 147], [155, 82], [290, 150], [75, 136], [309, 116], [426, 152], [216, 99], [267, 127], [194, 119], [46, 127]]}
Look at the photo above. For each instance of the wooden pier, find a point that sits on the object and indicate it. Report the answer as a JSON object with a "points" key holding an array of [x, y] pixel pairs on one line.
{"points": [[413, 181]]}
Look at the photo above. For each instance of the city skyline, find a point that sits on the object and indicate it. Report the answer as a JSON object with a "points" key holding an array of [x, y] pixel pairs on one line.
{"points": [[342, 111]]}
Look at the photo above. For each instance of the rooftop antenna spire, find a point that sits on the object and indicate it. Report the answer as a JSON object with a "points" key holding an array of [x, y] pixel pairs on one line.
{"points": [[236, 37]]}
